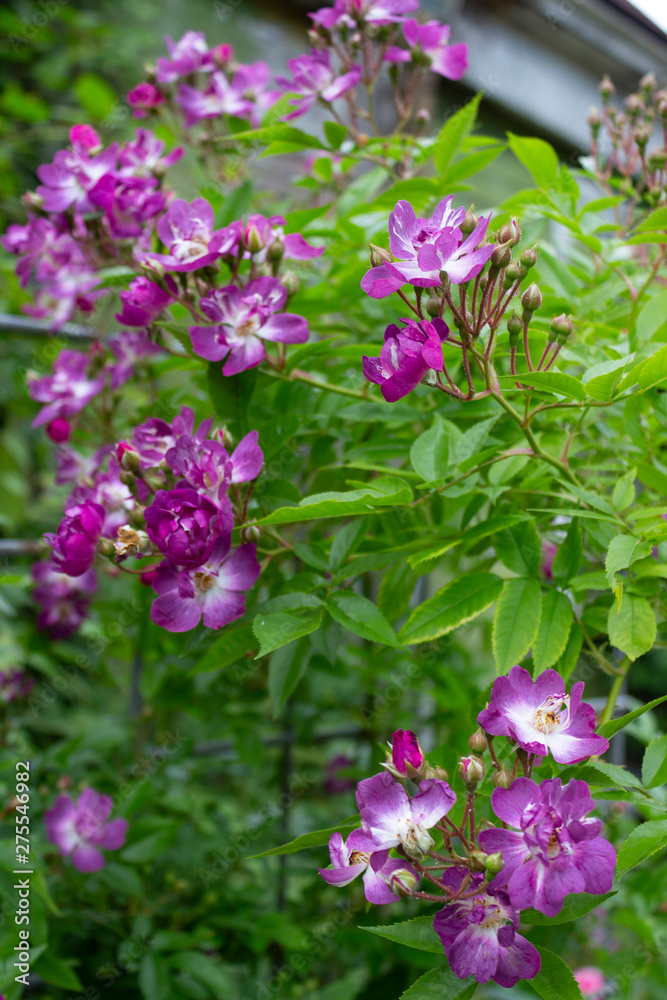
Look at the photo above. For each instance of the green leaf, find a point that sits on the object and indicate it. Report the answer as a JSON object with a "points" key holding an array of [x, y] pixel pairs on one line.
{"points": [[516, 621], [654, 764], [346, 541], [624, 491], [386, 491], [472, 164], [601, 380], [416, 933], [153, 976], [632, 627], [276, 630], [492, 525], [569, 556], [231, 396], [95, 95], [554, 630], [362, 617], [56, 972], [150, 847], [568, 661], [574, 906], [520, 548], [537, 156], [471, 442], [656, 220], [430, 452], [212, 974], [335, 133], [316, 838], [557, 382], [441, 984], [623, 551], [645, 840], [654, 371], [286, 668], [233, 644], [22, 105], [452, 134], [457, 602], [609, 729], [554, 981]]}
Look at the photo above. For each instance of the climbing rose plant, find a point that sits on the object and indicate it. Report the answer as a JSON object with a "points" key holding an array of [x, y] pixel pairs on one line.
{"points": [[355, 428]]}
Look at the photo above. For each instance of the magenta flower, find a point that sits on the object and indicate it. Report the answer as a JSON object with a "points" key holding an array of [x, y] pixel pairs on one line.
{"points": [[350, 13], [214, 591], [549, 551], [84, 139], [294, 245], [541, 717], [208, 468], [315, 79], [185, 525], [351, 859], [406, 754], [407, 356], [59, 430], [478, 934], [128, 203], [431, 40], [591, 982], [425, 247], [67, 390], [155, 437], [144, 153], [389, 817], [81, 829], [187, 232], [189, 54], [220, 97], [67, 181], [64, 599], [14, 685], [109, 492], [556, 848], [75, 543], [244, 318], [143, 98], [336, 783], [143, 302]]}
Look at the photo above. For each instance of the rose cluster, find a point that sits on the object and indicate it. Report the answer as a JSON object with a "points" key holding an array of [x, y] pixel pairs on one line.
{"points": [[82, 829], [547, 846], [165, 494]]}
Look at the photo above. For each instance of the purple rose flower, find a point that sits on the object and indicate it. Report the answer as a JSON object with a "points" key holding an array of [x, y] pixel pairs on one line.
{"points": [[185, 525], [67, 390], [64, 599], [143, 98], [334, 782], [541, 717], [270, 231], [81, 828], [128, 203], [349, 13], [214, 591], [431, 40], [67, 181], [144, 153], [155, 437], [425, 247], [351, 859], [556, 848], [220, 97], [143, 302], [14, 685], [478, 934], [108, 492], [208, 468], [189, 54], [244, 318], [549, 551], [406, 754], [407, 356], [314, 78], [75, 543], [389, 817], [187, 232]]}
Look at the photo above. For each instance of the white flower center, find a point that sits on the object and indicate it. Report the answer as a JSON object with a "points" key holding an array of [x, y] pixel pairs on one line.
{"points": [[553, 713], [359, 858], [203, 582], [248, 327]]}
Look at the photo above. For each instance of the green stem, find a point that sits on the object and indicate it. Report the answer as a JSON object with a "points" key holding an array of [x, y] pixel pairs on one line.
{"points": [[615, 690], [299, 376], [532, 441]]}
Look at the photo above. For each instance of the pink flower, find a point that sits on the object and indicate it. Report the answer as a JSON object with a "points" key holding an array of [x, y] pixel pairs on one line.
{"points": [[185, 525], [144, 153], [426, 247], [131, 347], [407, 356], [187, 232], [59, 430], [84, 139], [541, 717], [144, 301], [14, 685], [81, 828], [406, 754], [351, 859], [208, 468], [214, 591], [313, 79], [431, 39], [144, 97], [591, 982], [64, 599], [128, 203], [389, 817], [549, 551], [349, 13], [243, 319], [67, 181]]}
